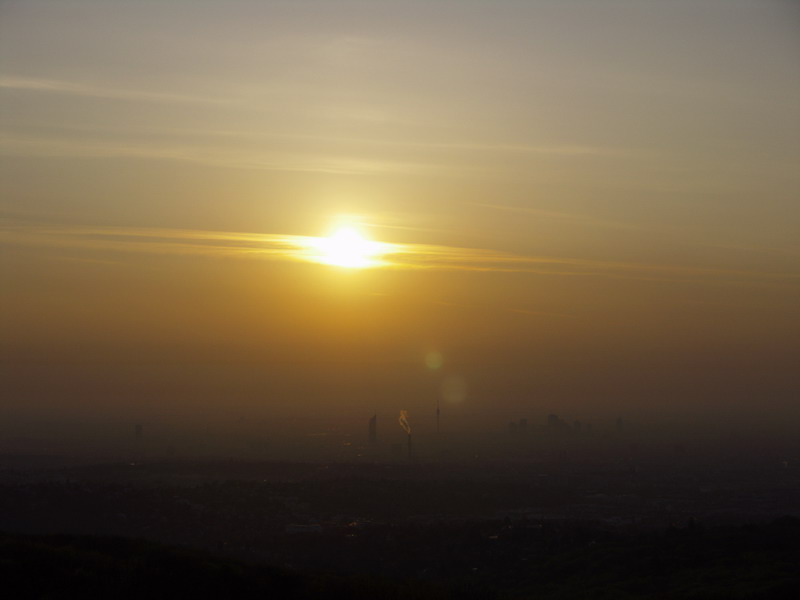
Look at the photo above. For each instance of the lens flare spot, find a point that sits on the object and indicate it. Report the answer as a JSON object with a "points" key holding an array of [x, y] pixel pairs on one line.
{"points": [[434, 360], [454, 389]]}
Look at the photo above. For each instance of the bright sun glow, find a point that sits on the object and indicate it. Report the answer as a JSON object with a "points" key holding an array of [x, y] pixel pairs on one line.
{"points": [[346, 247]]}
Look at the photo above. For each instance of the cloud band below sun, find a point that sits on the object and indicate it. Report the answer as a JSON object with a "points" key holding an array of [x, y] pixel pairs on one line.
{"points": [[306, 249]]}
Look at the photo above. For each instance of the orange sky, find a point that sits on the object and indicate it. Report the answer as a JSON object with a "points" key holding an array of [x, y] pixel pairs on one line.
{"points": [[593, 207]]}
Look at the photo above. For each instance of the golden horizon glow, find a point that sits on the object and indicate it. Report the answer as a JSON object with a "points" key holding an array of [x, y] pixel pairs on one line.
{"points": [[320, 210]]}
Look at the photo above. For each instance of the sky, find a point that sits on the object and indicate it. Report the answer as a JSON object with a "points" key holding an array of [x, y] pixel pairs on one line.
{"points": [[581, 208]]}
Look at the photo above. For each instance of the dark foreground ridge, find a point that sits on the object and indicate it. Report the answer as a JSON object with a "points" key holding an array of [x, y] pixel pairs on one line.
{"points": [[658, 529], [755, 561], [66, 566]]}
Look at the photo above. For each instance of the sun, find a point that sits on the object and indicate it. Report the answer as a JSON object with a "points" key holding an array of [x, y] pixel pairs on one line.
{"points": [[347, 248]]}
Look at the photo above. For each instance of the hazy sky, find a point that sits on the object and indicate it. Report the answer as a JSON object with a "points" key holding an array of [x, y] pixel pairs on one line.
{"points": [[594, 208]]}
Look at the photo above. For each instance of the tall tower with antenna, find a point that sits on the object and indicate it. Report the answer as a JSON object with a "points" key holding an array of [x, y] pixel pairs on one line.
{"points": [[373, 430]]}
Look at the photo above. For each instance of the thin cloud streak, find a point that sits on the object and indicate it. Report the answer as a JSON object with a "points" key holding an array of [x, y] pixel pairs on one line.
{"points": [[206, 155], [550, 214], [52, 86], [392, 255]]}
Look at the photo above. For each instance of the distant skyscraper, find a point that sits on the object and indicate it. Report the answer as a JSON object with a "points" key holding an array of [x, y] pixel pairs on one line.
{"points": [[556, 423], [373, 430], [138, 445]]}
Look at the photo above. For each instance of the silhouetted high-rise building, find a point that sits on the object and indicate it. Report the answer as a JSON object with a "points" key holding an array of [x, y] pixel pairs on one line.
{"points": [[556, 423], [373, 430]]}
